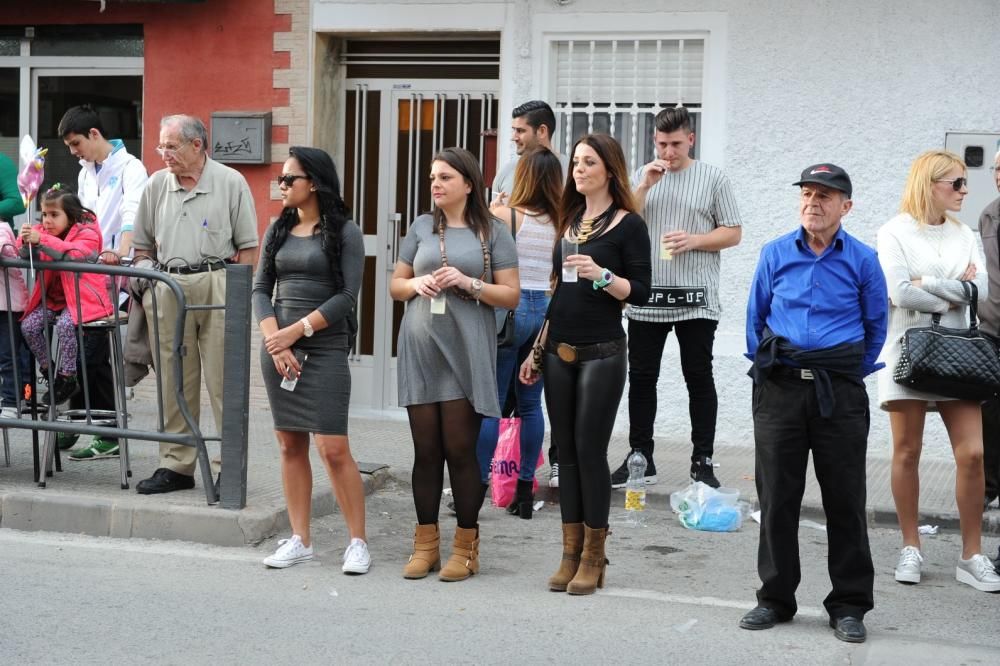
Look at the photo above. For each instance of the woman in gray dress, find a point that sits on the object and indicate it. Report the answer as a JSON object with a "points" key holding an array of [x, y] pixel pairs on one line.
{"points": [[454, 266], [311, 267]]}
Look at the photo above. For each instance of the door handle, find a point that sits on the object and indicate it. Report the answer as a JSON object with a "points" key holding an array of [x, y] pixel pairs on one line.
{"points": [[395, 221]]}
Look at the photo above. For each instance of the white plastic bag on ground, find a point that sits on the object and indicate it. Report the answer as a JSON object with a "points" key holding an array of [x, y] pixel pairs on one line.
{"points": [[701, 507]]}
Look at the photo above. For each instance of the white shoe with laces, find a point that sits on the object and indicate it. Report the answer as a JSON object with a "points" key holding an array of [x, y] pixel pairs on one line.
{"points": [[554, 475], [978, 572], [908, 569], [357, 559], [290, 551]]}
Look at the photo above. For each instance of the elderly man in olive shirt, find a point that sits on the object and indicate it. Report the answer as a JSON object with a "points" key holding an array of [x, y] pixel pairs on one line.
{"points": [[194, 217]]}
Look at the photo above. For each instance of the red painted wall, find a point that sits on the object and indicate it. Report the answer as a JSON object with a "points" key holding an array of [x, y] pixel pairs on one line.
{"points": [[212, 56]]}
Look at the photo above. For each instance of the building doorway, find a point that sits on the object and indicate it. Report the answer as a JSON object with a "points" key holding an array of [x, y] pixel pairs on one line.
{"points": [[395, 120]]}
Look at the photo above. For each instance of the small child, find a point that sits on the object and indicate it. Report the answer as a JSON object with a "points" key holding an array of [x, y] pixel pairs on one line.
{"points": [[11, 352], [68, 232]]}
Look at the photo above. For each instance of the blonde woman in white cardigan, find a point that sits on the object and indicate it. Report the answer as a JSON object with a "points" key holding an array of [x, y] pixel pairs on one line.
{"points": [[926, 254]]}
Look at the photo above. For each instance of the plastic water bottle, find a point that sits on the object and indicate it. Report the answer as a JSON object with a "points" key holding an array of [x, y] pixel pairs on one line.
{"points": [[635, 489]]}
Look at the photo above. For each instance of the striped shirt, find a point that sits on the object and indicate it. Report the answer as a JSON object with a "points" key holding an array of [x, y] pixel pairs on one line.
{"points": [[697, 200], [536, 236]]}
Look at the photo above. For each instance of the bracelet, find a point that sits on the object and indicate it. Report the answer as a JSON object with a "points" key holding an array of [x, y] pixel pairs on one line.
{"points": [[537, 358]]}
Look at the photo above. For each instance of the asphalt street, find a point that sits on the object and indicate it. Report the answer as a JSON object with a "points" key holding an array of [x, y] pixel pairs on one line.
{"points": [[673, 596]]}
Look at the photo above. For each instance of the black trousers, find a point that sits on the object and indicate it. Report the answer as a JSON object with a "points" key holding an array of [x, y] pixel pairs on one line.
{"points": [[696, 338], [991, 447], [787, 426], [96, 353], [582, 401]]}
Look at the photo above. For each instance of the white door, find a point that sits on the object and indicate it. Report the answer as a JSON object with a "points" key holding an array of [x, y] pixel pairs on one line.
{"points": [[392, 131]]}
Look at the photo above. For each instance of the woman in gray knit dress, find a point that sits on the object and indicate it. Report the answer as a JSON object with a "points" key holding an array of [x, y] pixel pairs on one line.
{"points": [[311, 267], [454, 266]]}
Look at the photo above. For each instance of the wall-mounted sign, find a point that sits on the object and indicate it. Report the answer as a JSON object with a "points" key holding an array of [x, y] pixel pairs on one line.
{"points": [[241, 137]]}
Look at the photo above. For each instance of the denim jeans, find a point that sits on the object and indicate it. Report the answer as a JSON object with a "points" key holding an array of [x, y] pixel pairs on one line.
{"points": [[528, 319], [9, 350]]}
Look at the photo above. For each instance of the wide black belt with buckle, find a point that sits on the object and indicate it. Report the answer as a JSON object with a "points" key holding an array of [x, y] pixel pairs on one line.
{"points": [[677, 297], [186, 269], [788, 372], [575, 354]]}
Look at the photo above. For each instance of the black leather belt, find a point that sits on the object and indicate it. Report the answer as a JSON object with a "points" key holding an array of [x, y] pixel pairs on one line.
{"points": [[788, 372], [203, 267], [574, 354]]}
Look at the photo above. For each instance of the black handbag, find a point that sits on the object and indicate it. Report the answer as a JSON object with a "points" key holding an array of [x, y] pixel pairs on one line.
{"points": [[950, 362], [505, 317]]}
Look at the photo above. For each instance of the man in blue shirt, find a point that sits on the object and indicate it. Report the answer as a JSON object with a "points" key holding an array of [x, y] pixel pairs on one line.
{"points": [[816, 322]]}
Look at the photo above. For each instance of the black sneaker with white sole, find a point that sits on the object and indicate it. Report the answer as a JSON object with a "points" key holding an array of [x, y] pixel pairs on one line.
{"points": [[620, 476], [703, 470]]}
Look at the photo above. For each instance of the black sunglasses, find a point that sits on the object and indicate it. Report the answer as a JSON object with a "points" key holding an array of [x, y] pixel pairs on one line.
{"points": [[956, 184], [289, 179]]}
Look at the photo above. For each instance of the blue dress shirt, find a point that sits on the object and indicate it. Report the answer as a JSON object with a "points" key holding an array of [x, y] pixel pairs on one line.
{"points": [[816, 302]]}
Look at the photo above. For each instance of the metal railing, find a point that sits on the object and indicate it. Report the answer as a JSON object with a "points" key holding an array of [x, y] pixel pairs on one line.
{"points": [[235, 380]]}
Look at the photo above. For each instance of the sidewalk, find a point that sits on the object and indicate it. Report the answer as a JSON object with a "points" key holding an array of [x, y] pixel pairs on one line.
{"points": [[85, 497]]}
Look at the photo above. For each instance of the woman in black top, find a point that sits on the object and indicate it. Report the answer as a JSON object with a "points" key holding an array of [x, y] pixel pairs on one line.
{"points": [[583, 348]]}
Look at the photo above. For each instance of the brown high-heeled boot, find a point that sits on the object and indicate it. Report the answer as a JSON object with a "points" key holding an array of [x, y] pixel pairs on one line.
{"points": [[590, 575], [464, 560], [572, 546], [426, 555]]}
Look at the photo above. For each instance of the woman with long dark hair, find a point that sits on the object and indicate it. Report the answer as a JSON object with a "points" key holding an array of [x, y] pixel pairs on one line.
{"points": [[531, 214], [305, 295], [582, 347], [454, 266]]}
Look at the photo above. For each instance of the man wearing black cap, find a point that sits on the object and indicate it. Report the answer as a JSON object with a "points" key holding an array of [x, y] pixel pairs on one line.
{"points": [[816, 321]]}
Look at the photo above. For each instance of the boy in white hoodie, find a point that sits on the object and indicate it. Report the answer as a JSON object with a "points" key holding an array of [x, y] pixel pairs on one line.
{"points": [[110, 183]]}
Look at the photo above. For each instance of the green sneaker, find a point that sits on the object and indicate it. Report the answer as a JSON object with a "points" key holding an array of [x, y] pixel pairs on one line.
{"points": [[64, 440], [99, 448]]}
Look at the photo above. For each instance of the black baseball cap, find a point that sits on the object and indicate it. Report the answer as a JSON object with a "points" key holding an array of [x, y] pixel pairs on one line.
{"points": [[827, 174]]}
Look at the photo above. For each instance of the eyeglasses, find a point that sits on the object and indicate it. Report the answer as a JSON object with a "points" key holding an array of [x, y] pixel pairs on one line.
{"points": [[956, 184], [171, 151], [289, 179], [994, 169]]}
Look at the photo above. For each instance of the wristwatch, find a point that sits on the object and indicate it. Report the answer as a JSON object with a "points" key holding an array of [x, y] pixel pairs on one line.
{"points": [[607, 278], [307, 328], [477, 287]]}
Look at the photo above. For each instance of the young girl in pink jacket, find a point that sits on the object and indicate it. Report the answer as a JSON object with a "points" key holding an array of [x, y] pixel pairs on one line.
{"points": [[68, 232]]}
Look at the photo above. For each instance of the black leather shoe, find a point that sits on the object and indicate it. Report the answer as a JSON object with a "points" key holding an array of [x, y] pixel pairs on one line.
{"points": [[848, 629], [164, 481], [760, 618]]}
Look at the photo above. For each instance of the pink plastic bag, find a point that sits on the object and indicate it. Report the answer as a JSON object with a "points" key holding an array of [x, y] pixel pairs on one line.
{"points": [[506, 464]]}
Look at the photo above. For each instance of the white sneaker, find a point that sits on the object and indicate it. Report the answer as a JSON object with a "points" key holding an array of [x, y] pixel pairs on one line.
{"points": [[908, 569], [357, 560], [290, 551], [554, 476], [8, 413], [978, 572]]}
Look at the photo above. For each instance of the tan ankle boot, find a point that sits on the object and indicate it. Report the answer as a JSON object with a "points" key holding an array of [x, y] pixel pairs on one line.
{"points": [[590, 575], [426, 555], [464, 560], [572, 546]]}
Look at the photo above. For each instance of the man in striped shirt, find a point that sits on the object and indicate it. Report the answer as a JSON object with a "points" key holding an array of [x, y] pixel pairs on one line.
{"points": [[692, 216]]}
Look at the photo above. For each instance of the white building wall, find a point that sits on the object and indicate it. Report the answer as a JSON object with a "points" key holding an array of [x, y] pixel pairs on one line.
{"points": [[864, 85]]}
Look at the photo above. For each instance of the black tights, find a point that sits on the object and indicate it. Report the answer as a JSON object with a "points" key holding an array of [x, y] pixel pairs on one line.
{"points": [[446, 432], [582, 401]]}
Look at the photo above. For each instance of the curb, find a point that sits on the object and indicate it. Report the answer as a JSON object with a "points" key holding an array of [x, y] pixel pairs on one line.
{"points": [[122, 518], [877, 516]]}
